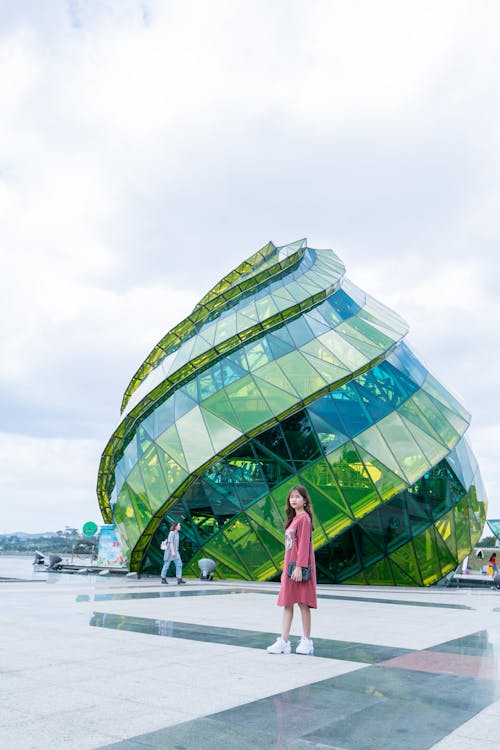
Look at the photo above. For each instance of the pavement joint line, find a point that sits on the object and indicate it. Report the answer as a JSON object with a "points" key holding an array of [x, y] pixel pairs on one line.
{"points": [[243, 590]]}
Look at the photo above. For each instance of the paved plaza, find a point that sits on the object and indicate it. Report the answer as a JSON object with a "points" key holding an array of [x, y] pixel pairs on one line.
{"points": [[115, 662]]}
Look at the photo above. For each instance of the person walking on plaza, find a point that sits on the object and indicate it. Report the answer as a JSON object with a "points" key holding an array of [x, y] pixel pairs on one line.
{"points": [[298, 579], [493, 563], [171, 554]]}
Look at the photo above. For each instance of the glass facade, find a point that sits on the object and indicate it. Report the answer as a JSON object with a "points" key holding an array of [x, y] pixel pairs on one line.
{"points": [[286, 373]]}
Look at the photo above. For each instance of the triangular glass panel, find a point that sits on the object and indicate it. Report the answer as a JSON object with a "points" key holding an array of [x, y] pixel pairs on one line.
{"points": [[195, 439], [410, 411], [221, 433], [170, 442], [446, 559], [407, 565], [374, 443], [431, 449], [329, 437], [220, 405], [380, 574], [183, 403]]}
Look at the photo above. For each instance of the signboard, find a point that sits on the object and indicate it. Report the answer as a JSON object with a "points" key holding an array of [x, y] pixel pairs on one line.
{"points": [[109, 553], [89, 528]]}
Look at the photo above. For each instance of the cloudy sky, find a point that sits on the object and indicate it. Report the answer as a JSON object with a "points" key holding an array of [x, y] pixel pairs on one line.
{"points": [[149, 146]]}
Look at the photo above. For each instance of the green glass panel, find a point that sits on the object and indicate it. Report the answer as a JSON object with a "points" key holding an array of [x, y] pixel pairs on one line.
{"points": [[410, 412], [353, 480], [142, 510], [172, 471], [317, 350], [395, 523], [248, 403], [425, 549], [407, 452], [304, 378], [418, 511], [320, 477], [373, 442], [274, 375], [154, 481], [241, 536], [220, 405], [368, 348], [475, 521], [401, 577], [124, 518], [275, 550], [266, 513], [370, 332], [380, 574], [226, 327], [370, 551], [459, 425], [265, 307], [432, 413], [446, 559], [136, 482], [445, 527], [222, 552], [280, 493], [328, 372], [386, 483], [460, 514], [432, 450], [277, 400], [435, 389], [221, 433], [348, 355], [194, 438], [405, 559], [170, 443]]}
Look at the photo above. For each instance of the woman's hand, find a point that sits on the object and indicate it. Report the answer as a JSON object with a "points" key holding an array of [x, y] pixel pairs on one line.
{"points": [[296, 575]]}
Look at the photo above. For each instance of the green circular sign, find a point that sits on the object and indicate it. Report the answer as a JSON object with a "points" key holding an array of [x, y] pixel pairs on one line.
{"points": [[89, 528]]}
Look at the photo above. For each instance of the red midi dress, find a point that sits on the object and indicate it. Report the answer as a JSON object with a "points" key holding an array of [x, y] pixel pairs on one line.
{"points": [[298, 548]]}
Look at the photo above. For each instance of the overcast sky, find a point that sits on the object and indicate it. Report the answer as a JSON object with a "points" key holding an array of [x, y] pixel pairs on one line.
{"points": [[148, 147]]}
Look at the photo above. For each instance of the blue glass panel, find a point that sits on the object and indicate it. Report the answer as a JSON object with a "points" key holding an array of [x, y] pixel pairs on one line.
{"points": [[231, 372], [316, 322], [325, 408], [329, 437], [372, 395], [278, 347], [343, 305], [164, 416], [354, 418], [272, 443], [183, 403], [238, 359], [405, 361], [462, 452], [299, 331], [301, 438]]}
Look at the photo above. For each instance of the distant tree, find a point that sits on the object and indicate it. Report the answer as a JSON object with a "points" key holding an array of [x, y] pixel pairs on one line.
{"points": [[487, 541]]}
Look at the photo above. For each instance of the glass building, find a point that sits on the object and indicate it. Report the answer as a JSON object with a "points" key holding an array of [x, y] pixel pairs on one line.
{"points": [[286, 373]]}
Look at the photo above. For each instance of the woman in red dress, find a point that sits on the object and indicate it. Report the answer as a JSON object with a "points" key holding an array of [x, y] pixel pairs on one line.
{"points": [[295, 590]]}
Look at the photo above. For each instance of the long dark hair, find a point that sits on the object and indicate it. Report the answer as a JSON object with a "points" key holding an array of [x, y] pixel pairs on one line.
{"points": [[290, 513]]}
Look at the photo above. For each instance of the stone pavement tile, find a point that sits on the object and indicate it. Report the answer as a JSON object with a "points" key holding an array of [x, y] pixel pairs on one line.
{"points": [[388, 724], [450, 692], [210, 734], [84, 729]]}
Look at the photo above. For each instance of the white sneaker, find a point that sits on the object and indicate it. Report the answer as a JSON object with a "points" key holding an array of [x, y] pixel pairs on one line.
{"points": [[305, 646], [280, 647]]}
